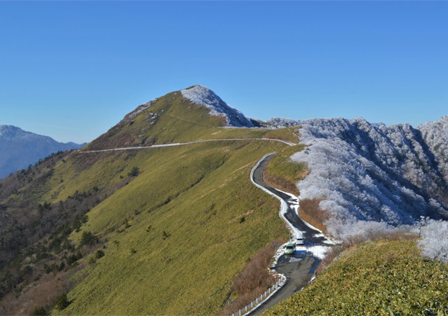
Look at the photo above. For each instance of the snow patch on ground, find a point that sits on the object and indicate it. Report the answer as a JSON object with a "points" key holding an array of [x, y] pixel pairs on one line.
{"points": [[317, 251]]}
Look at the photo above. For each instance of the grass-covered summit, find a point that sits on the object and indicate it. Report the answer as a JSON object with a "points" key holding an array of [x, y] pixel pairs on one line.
{"points": [[187, 115]]}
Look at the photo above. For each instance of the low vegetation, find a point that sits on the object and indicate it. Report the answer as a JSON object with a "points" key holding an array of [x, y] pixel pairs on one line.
{"points": [[252, 281], [382, 277], [311, 213]]}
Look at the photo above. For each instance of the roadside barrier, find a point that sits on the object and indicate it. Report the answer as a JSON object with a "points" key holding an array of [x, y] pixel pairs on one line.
{"points": [[246, 310]]}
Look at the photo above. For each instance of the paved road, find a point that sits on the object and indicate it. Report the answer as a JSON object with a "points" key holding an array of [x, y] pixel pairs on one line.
{"points": [[184, 144], [310, 235], [298, 273], [300, 267]]}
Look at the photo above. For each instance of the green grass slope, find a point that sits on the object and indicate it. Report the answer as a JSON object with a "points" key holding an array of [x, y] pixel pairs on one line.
{"points": [[173, 236], [197, 195], [173, 118], [376, 278]]}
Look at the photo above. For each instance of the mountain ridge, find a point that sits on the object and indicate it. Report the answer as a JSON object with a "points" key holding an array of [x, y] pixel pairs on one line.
{"points": [[19, 148]]}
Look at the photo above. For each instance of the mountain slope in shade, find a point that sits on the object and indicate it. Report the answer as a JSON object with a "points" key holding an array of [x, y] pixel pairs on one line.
{"points": [[19, 149]]}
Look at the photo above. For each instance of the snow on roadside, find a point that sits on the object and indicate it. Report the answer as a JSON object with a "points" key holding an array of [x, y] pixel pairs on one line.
{"points": [[317, 251]]}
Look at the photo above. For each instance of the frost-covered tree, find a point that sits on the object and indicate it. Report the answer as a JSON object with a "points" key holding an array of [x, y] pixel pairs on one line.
{"points": [[434, 240], [373, 172]]}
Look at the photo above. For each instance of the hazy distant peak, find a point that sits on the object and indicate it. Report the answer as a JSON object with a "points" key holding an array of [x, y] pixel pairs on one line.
{"points": [[9, 131], [19, 148], [202, 95]]}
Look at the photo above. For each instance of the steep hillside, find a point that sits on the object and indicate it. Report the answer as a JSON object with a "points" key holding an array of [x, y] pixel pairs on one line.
{"points": [[19, 149], [175, 224], [365, 171], [176, 238]]}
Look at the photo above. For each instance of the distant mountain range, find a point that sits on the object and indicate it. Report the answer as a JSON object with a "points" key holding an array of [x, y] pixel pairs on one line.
{"points": [[19, 149]]}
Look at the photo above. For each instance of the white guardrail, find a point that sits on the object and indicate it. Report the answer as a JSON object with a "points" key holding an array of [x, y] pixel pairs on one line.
{"points": [[246, 310]]}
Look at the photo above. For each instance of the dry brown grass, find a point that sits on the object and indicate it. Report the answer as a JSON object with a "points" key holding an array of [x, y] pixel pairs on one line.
{"points": [[252, 281], [311, 213], [280, 183]]}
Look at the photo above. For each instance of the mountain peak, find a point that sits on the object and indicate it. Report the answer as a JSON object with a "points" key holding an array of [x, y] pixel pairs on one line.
{"points": [[202, 95], [11, 131], [19, 148]]}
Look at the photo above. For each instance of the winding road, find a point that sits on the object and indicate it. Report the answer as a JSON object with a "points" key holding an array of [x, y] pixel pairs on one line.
{"points": [[299, 268]]}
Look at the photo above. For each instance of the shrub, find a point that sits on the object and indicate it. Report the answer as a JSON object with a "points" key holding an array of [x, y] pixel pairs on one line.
{"points": [[88, 239], [135, 171], [72, 259], [40, 311], [99, 254], [165, 235], [61, 266], [62, 302]]}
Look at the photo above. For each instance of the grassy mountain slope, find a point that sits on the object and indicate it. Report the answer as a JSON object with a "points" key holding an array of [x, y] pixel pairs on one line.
{"points": [[376, 278], [173, 118], [197, 195], [173, 236]]}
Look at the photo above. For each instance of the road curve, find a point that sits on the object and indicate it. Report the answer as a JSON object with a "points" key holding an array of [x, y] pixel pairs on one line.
{"points": [[311, 236], [184, 144], [298, 269]]}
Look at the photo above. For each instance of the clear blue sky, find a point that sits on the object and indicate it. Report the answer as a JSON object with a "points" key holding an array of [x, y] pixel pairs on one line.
{"points": [[71, 70]]}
